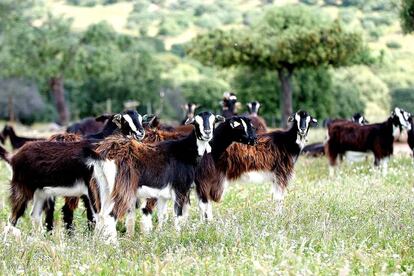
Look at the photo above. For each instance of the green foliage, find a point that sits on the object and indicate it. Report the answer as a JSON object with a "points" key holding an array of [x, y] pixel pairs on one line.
{"points": [[169, 26], [25, 97], [309, 2], [404, 98], [113, 70], [286, 37], [91, 3], [361, 81], [392, 44], [260, 85], [407, 16], [205, 92], [313, 91]]}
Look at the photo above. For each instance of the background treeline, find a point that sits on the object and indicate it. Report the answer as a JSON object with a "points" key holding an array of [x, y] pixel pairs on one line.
{"points": [[42, 56]]}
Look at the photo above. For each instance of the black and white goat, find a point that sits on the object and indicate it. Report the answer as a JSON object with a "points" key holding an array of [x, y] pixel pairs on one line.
{"points": [[15, 140], [410, 134], [189, 110], [377, 138], [236, 129], [258, 122], [229, 105], [163, 171], [45, 169]]}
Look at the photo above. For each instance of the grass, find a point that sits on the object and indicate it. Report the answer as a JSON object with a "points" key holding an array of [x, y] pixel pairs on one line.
{"points": [[355, 223]]}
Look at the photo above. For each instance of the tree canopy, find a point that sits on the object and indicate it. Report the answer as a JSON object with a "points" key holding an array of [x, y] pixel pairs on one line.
{"points": [[286, 39]]}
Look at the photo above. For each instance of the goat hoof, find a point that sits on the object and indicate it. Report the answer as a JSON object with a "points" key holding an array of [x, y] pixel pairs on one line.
{"points": [[15, 232], [146, 224]]}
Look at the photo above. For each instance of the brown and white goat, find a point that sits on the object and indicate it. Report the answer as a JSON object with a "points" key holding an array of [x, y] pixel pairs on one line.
{"points": [[275, 155], [128, 170], [377, 138], [89, 125], [318, 149], [43, 170]]}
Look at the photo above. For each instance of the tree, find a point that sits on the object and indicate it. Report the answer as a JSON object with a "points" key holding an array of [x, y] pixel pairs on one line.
{"points": [[44, 53], [285, 40], [407, 16]]}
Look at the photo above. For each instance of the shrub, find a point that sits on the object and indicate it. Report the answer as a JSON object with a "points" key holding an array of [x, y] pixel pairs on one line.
{"points": [[28, 105], [309, 2], [404, 98], [392, 44]]}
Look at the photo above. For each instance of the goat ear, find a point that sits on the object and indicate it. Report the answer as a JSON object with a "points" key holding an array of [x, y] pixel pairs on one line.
{"points": [[220, 119], [117, 120], [103, 118], [313, 122], [234, 124], [148, 120], [291, 118], [189, 121]]}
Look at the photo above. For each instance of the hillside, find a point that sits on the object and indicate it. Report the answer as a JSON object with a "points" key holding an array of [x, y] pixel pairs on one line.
{"points": [[176, 22]]}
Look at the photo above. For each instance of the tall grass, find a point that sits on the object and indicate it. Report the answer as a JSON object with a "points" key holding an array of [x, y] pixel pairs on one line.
{"points": [[355, 223]]}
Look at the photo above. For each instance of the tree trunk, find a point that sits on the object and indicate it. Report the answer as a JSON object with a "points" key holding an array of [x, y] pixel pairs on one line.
{"points": [[285, 77], [56, 86]]}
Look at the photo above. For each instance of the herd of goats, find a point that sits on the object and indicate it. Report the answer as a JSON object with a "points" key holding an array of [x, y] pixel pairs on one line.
{"points": [[122, 162]]}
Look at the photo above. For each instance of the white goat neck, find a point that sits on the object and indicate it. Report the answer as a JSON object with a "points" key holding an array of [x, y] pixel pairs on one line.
{"points": [[395, 131], [301, 140], [203, 146]]}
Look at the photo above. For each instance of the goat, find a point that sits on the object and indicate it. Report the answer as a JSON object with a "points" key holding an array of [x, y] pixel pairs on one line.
{"points": [[258, 122], [127, 170], [123, 123], [16, 141], [318, 149], [89, 125], [44, 169], [275, 155], [410, 138], [229, 105], [236, 129], [189, 110], [378, 138]]}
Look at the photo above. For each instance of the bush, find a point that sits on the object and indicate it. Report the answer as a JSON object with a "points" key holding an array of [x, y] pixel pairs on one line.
{"points": [[309, 2], [206, 92], [331, 2], [404, 98], [28, 105], [370, 89], [169, 26], [392, 44], [208, 21]]}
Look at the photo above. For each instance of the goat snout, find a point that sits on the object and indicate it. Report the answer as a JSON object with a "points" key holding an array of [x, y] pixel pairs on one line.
{"points": [[139, 135]]}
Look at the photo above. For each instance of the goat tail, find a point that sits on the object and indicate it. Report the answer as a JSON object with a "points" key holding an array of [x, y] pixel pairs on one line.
{"points": [[126, 185], [209, 180], [5, 155]]}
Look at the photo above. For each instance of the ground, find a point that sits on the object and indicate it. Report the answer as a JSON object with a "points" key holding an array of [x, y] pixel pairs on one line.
{"points": [[357, 222]]}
